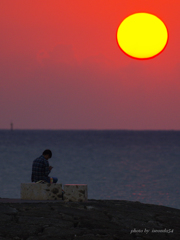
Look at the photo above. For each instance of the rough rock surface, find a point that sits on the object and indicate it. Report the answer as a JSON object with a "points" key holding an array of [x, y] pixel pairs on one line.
{"points": [[92, 220]]}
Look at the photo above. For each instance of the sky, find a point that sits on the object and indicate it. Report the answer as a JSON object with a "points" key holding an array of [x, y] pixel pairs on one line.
{"points": [[61, 67]]}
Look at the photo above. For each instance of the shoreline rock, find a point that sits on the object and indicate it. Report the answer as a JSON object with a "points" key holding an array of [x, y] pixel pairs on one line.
{"points": [[91, 220]]}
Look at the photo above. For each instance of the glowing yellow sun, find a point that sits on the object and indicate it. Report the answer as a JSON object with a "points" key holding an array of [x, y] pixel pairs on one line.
{"points": [[142, 35]]}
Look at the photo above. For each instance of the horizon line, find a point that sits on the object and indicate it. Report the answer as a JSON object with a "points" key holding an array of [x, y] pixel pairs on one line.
{"points": [[93, 129]]}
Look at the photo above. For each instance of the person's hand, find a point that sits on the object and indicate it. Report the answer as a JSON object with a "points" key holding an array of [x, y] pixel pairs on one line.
{"points": [[50, 167]]}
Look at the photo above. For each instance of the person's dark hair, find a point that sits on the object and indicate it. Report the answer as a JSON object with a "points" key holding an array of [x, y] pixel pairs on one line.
{"points": [[47, 152]]}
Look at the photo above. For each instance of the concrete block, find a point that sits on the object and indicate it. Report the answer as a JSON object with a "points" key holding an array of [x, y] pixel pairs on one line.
{"points": [[75, 193], [41, 191]]}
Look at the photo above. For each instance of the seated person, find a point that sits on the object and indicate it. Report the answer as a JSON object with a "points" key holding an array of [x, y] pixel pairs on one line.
{"points": [[41, 168]]}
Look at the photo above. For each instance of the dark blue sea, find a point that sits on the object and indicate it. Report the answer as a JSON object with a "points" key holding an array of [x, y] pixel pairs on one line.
{"points": [[139, 166]]}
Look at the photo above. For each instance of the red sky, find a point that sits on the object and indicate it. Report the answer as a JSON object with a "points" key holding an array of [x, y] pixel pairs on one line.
{"points": [[61, 67]]}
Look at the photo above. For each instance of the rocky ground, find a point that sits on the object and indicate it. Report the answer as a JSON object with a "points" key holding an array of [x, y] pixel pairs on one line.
{"points": [[93, 220]]}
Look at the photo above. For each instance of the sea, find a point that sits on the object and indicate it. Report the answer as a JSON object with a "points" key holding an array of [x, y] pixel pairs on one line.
{"points": [[128, 165]]}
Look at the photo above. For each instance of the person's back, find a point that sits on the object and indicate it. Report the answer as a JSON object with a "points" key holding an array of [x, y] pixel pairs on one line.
{"points": [[41, 168]]}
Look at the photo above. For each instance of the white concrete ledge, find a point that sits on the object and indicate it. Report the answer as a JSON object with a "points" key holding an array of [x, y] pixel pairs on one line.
{"points": [[41, 191], [75, 193]]}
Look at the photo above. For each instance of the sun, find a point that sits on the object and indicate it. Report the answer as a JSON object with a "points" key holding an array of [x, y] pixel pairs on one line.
{"points": [[142, 36]]}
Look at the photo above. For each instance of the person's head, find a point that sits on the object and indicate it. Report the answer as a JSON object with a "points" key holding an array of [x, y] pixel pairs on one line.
{"points": [[47, 154]]}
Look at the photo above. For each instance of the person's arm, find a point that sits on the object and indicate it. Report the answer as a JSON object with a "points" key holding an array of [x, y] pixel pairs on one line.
{"points": [[47, 171], [50, 168]]}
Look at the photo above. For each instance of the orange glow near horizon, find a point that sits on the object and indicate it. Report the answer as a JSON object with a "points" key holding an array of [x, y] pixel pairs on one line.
{"points": [[142, 36]]}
